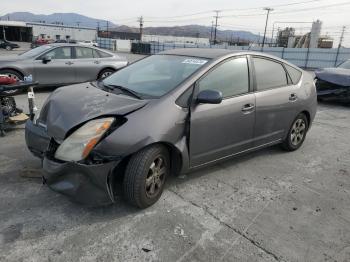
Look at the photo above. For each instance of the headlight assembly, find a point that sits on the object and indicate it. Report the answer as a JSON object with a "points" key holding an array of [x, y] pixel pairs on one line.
{"points": [[80, 143]]}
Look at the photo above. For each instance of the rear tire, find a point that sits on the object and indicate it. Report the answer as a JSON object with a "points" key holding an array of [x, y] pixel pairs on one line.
{"points": [[105, 73], [296, 134], [12, 74], [145, 176]]}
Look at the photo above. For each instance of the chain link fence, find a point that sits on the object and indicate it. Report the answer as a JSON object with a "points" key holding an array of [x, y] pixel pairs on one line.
{"points": [[309, 58]]}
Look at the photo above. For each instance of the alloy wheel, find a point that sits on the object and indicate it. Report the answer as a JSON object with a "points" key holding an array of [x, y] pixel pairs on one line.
{"points": [[298, 132], [155, 177], [105, 74]]}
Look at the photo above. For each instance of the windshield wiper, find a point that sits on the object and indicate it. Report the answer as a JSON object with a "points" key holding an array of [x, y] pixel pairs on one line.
{"points": [[124, 90]]}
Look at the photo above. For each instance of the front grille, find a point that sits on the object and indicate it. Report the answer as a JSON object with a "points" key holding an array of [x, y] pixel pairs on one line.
{"points": [[52, 148]]}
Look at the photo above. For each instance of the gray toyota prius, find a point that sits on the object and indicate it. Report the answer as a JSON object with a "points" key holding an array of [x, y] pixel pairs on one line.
{"points": [[166, 114]]}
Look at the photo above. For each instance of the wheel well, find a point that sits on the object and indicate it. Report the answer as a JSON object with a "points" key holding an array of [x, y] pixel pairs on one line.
{"points": [[110, 68], [175, 161], [12, 69], [307, 114]]}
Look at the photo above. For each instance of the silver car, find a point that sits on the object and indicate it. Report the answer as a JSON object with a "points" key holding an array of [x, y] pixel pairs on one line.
{"points": [[168, 114], [62, 64]]}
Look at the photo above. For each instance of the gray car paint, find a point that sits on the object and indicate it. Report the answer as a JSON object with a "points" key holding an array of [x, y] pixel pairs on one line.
{"points": [[197, 135], [62, 71]]}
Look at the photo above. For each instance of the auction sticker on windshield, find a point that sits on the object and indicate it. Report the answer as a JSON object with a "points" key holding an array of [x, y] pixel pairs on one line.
{"points": [[194, 61]]}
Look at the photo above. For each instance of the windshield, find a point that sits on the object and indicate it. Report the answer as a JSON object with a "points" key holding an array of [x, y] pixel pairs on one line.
{"points": [[156, 75], [36, 51], [345, 65]]}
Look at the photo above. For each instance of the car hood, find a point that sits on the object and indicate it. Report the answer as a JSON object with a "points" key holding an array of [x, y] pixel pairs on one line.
{"points": [[338, 76], [73, 105], [11, 58]]}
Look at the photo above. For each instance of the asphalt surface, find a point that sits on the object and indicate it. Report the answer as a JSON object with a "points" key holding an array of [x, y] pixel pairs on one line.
{"points": [[266, 206]]}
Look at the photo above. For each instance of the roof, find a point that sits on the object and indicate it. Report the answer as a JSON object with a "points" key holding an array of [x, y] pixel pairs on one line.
{"points": [[213, 53], [13, 23], [201, 52]]}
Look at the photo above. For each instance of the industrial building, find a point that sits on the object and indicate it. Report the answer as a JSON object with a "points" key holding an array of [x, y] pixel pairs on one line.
{"points": [[29, 31], [312, 39]]}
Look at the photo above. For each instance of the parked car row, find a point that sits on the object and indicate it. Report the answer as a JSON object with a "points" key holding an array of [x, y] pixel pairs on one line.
{"points": [[62, 64], [41, 41]]}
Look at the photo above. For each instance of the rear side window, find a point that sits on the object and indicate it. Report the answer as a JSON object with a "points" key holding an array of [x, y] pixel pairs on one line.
{"points": [[294, 74], [83, 52], [103, 54], [231, 78], [269, 74]]}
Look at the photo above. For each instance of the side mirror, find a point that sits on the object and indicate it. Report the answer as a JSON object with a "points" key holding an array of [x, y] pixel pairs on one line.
{"points": [[209, 97], [46, 59]]}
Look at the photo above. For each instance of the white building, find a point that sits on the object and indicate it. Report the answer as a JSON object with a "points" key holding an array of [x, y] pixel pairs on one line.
{"points": [[28, 31], [175, 39]]}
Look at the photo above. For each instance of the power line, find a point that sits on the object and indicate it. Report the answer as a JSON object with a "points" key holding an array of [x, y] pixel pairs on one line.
{"points": [[239, 9]]}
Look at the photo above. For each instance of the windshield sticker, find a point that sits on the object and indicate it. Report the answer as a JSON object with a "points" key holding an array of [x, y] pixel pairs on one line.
{"points": [[194, 61]]}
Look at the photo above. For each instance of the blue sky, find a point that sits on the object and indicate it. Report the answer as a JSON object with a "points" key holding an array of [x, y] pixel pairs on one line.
{"points": [[158, 12]]}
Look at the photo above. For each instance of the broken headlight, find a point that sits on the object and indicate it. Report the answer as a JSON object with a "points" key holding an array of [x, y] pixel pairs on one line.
{"points": [[80, 143]]}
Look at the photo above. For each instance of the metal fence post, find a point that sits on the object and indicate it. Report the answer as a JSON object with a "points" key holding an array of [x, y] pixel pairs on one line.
{"points": [[336, 57], [283, 52], [307, 57]]}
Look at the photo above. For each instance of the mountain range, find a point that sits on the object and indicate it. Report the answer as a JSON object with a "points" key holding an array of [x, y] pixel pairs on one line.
{"points": [[74, 19]]}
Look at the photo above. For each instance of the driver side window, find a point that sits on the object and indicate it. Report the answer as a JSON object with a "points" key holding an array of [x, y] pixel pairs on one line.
{"points": [[231, 78], [60, 53]]}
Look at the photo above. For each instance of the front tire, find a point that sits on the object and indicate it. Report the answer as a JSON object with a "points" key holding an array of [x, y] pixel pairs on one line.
{"points": [[105, 73], [145, 176], [296, 134], [8, 48]]}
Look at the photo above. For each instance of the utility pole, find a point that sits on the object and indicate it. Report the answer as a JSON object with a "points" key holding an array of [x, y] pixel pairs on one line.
{"points": [[339, 45], [3, 33], [107, 29], [211, 31], [268, 9], [342, 37], [216, 24], [140, 20], [98, 29]]}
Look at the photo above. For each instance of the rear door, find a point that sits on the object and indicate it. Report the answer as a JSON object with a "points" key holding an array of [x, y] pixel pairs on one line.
{"points": [[276, 100], [86, 63], [57, 71], [220, 130]]}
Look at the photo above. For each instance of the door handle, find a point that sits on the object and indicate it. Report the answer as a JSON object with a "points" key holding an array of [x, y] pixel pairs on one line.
{"points": [[69, 63], [248, 107], [97, 62], [293, 97]]}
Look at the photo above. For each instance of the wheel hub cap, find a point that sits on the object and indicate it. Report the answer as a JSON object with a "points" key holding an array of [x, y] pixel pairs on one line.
{"points": [[298, 132], [155, 177]]}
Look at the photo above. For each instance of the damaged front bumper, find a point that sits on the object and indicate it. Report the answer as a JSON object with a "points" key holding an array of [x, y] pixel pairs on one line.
{"points": [[89, 184], [82, 183]]}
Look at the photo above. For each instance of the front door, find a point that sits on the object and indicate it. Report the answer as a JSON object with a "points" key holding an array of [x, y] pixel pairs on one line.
{"points": [[221, 130], [58, 71]]}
